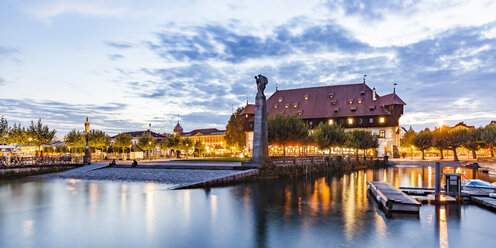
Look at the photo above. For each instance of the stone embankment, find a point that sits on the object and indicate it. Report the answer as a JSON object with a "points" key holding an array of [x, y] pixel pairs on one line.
{"points": [[11, 172]]}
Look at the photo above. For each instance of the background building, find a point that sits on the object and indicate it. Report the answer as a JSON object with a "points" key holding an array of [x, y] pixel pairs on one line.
{"points": [[352, 106]]}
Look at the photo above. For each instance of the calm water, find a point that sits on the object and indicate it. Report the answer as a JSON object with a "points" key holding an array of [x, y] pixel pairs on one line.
{"points": [[314, 211]]}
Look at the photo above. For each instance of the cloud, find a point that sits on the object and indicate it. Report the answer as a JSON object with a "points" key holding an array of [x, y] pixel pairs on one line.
{"points": [[64, 117], [6, 53], [119, 45], [2, 81], [115, 56], [53, 8]]}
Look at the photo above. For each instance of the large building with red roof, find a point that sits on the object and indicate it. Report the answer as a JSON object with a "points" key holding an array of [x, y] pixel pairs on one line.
{"points": [[352, 106]]}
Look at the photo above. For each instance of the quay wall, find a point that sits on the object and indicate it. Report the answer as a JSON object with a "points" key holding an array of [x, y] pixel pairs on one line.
{"points": [[12, 172]]}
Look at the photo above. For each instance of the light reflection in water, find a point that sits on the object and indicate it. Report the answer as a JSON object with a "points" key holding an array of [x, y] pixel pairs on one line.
{"points": [[123, 199], [213, 207], [443, 227], [187, 206], [93, 191], [150, 190]]}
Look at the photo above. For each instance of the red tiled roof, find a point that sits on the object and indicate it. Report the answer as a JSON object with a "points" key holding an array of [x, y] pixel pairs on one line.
{"points": [[249, 109], [462, 124], [206, 131], [346, 100]]}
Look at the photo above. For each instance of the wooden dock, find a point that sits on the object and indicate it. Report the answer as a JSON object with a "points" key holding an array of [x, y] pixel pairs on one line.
{"points": [[487, 202], [392, 199]]}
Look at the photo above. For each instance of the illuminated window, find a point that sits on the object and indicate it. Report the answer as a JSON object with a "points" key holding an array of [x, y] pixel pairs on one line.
{"points": [[382, 134], [295, 105], [305, 97], [333, 102], [331, 95], [280, 99], [331, 122], [246, 115], [275, 106], [360, 101], [350, 121], [350, 101], [286, 105], [382, 120]]}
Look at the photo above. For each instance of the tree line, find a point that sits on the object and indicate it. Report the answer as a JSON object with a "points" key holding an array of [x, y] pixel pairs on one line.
{"points": [[445, 138], [35, 134], [286, 130]]}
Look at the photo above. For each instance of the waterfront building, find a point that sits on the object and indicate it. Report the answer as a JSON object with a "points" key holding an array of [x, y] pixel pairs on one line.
{"points": [[352, 106], [212, 138]]}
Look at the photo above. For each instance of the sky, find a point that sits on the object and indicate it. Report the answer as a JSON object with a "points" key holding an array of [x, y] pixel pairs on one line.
{"points": [[127, 64]]}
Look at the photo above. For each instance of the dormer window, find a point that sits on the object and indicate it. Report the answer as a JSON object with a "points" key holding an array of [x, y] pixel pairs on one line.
{"points": [[295, 105], [286, 105], [300, 112], [306, 97], [333, 102], [336, 109], [350, 101], [280, 99], [353, 108], [331, 95], [362, 92], [372, 107], [275, 106], [360, 100]]}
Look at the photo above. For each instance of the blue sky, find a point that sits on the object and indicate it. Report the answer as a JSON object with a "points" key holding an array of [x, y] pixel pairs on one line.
{"points": [[129, 63]]}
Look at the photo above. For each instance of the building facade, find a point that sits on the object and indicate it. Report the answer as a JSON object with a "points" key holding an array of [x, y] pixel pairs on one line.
{"points": [[352, 106], [212, 138]]}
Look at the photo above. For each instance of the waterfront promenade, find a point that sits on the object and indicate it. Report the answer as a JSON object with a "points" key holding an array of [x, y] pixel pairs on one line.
{"points": [[174, 173]]}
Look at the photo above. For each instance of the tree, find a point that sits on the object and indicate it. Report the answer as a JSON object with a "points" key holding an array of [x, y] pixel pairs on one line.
{"points": [[146, 142], [473, 141], [98, 139], [185, 144], [40, 134], [172, 142], [455, 139], [328, 136], [286, 130], [199, 148], [74, 139], [423, 141], [235, 130], [18, 135], [440, 139], [362, 139], [123, 141], [488, 136], [407, 139], [4, 130]]}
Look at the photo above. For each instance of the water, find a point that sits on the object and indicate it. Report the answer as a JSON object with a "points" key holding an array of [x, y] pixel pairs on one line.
{"points": [[313, 211]]}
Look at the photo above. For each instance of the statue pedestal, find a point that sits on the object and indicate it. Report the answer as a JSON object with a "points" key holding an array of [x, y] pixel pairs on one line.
{"points": [[87, 156], [260, 140]]}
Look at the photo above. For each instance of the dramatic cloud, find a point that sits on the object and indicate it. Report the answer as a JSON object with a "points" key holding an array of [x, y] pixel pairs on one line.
{"points": [[198, 60]]}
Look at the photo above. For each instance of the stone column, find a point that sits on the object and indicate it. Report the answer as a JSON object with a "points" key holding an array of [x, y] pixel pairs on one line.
{"points": [[260, 142]]}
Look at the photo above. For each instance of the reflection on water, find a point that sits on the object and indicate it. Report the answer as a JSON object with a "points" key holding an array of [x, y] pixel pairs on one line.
{"points": [[315, 210]]}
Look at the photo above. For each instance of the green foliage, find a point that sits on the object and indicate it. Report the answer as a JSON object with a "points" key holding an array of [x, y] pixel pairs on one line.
{"points": [[235, 133], [407, 139], [286, 130], [473, 141], [40, 134], [123, 140], [146, 141], [488, 136], [98, 139], [75, 139], [4, 130], [440, 139], [199, 148], [185, 144], [172, 142], [423, 141], [328, 136], [18, 135], [362, 139]]}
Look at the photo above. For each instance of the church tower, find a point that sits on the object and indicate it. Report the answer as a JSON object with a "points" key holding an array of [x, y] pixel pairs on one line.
{"points": [[87, 126], [178, 130]]}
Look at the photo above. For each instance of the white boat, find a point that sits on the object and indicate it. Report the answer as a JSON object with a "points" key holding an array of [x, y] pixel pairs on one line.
{"points": [[478, 186]]}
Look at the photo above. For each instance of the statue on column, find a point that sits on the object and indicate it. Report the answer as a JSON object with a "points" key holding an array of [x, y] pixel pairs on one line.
{"points": [[260, 139]]}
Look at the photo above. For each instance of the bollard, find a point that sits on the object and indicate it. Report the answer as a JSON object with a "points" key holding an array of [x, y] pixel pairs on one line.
{"points": [[437, 180]]}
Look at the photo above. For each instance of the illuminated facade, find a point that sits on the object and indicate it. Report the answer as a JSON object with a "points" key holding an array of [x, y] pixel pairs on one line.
{"points": [[212, 138], [352, 106]]}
